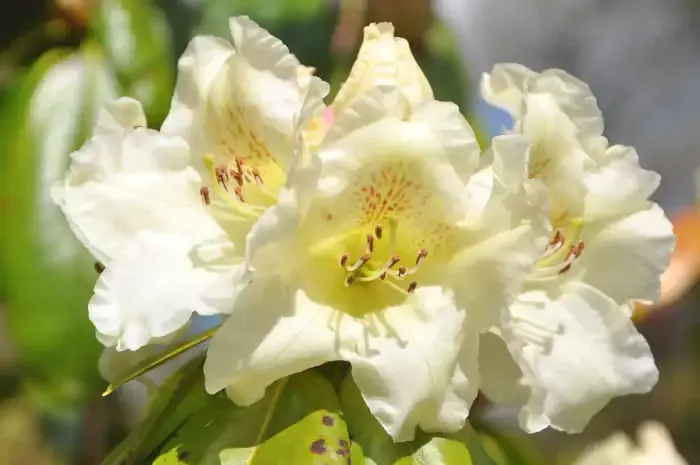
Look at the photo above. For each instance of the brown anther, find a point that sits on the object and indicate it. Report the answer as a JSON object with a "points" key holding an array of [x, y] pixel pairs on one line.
{"points": [[349, 280], [204, 192], [422, 253], [223, 171], [412, 287], [365, 258], [237, 177], [370, 243], [220, 178], [565, 269], [378, 231], [344, 260], [556, 238], [239, 166], [239, 194], [394, 260], [382, 276], [402, 271], [579, 248], [99, 267], [257, 176]]}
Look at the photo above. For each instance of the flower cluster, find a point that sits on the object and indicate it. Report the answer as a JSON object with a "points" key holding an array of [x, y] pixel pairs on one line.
{"points": [[375, 231]]}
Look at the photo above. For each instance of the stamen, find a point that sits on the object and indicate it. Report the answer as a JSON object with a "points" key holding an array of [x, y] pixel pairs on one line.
{"points": [[204, 192], [556, 238], [222, 191], [257, 177], [364, 259], [574, 252], [392, 261], [238, 177], [364, 271], [99, 267], [220, 178], [422, 253], [370, 243], [223, 171], [238, 191], [378, 231], [561, 252]]}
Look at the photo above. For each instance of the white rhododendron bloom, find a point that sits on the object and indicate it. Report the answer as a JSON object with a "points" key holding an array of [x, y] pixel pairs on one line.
{"points": [[655, 447], [383, 253], [570, 331], [168, 212]]}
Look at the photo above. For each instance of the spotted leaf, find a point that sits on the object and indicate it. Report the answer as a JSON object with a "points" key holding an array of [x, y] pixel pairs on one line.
{"points": [[297, 422]]}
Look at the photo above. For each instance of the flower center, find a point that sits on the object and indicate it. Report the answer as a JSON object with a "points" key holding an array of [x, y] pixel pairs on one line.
{"points": [[241, 191], [368, 267], [562, 250]]}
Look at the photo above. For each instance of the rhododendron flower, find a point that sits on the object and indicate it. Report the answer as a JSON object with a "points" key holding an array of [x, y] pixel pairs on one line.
{"points": [[570, 331], [385, 256]]}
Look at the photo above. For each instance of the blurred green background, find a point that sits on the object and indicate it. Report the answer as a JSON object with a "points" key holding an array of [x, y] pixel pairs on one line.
{"points": [[59, 62]]}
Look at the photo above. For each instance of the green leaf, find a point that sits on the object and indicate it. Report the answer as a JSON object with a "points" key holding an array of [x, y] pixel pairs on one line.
{"points": [[136, 38], [297, 422], [50, 274], [371, 445], [509, 448], [154, 362]]}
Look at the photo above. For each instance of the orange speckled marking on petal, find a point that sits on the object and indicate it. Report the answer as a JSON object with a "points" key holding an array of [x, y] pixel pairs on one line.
{"points": [[390, 191]]}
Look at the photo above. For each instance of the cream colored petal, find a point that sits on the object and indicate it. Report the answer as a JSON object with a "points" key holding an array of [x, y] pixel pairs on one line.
{"points": [[618, 184], [119, 115], [279, 330], [577, 350], [626, 257], [197, 67], [575, 99], [384, 60], [455, 135], [122, 183], [506, 86], [501, 378], [150, 289]]}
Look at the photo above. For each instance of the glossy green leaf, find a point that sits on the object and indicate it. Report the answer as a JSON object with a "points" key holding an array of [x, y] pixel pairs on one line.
{"points": [[297, 422], [371, 445], [137, 40], [50, 274]]}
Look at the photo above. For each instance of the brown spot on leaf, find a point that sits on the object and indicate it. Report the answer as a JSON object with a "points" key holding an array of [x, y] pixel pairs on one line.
{"points": [[328, 421], [342, 452], [343, 443], [319, 447]]}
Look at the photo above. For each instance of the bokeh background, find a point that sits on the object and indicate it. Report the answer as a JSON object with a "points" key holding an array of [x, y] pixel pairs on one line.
{"points": [[61, 59]]}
